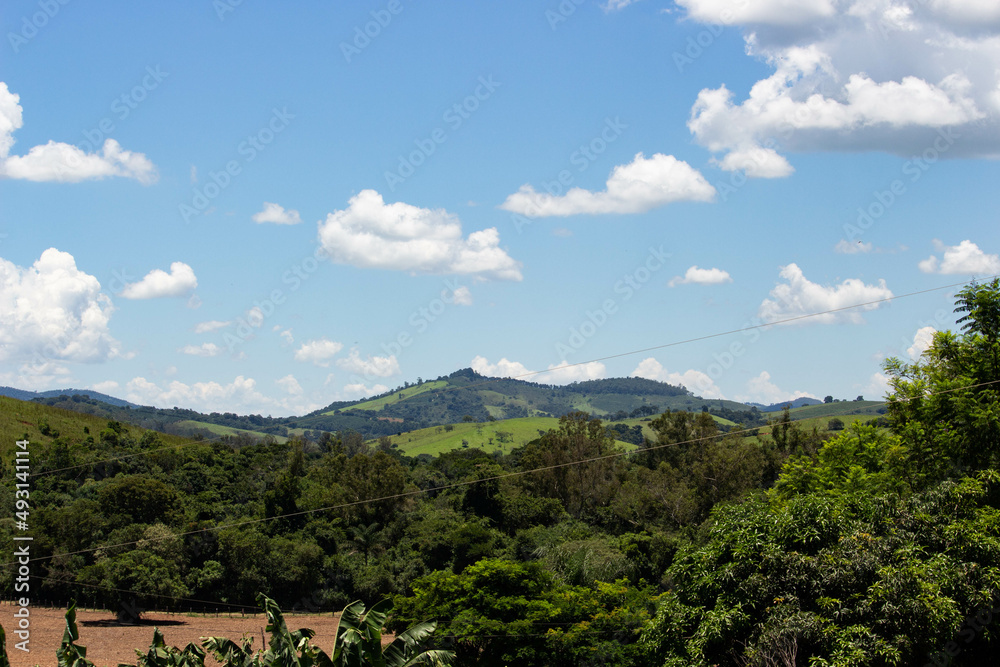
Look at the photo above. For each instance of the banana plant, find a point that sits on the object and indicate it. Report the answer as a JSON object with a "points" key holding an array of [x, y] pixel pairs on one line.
{"points": [[161, 655], [69, 654], [359, 640]]}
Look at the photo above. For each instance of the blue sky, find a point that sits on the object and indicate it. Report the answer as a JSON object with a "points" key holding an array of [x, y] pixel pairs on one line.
{"points": [[263, 207]]}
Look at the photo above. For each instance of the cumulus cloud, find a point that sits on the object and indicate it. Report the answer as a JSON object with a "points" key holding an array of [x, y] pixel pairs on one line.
{"points": [[209, 326], [461, 296], [105, 387], [832, 88], [636, 187], [56, 161], [696, 276], [158, 283], [564, 373], [359, 390], [846, 247], [965, 258], [290, 385], [276, 214], [698, 383], [369, 367], [319, 351], [561, 373], [241, 395], [921, 341], [372, 234], [877, 387], [761, 390], [51, 312], [203, 350], [502, 369], [799, 296]]}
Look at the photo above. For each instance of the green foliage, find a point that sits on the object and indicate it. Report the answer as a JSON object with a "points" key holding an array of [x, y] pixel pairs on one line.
{"points": [[946, 406], [838, 580]]}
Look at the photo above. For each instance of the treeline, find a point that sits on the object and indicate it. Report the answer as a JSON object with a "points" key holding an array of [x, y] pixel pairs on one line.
{"points": [[876, 547]]}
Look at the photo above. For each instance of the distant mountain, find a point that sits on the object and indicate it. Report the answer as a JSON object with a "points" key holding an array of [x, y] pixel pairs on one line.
{"points": [[462, 396], [776, 407], [24, 395]]}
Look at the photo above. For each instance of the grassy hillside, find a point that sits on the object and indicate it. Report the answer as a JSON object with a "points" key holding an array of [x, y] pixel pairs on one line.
{"points": [[218, 429], [408, 393], [486, 436], [841, 409], [41, 424]]}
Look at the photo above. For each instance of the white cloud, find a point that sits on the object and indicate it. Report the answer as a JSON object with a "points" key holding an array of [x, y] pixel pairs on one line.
{"points": [[372, 234], [502, 369], [106, 387], [921, 341], [290, 385], [371, 366], [833, 88], [778, 12], [877, 387], [798, 296], [761, 390], [158, 283], [318, 351], [964, 258], [55, 161], [845, 247], [277, 214], [615, 5], [561, 373], [564, 373], [52, 311], [697, 382], [359, 390], [203, 350], [240, 395], [641, 185], [696, 276], [209, 326], [462, 296]]}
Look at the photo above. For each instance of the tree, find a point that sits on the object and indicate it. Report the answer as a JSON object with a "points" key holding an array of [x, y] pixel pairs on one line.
{"points": [[828, 399], [946, 405], [581, 487]]}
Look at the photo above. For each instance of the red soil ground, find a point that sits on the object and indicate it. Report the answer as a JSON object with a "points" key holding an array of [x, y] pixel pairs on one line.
{"points": [[109, 644]]}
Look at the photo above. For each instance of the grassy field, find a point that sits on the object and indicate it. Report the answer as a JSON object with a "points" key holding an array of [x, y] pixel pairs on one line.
{"points": [[19, 419], [436, 439], [226, 430], [840, 409], [377, 404]]}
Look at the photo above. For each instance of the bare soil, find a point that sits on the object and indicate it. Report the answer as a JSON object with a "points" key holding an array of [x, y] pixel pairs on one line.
{"points": [[109, 644]]}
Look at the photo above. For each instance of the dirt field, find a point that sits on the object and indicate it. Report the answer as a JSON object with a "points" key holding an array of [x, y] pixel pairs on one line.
{"points": [[109, 644]]}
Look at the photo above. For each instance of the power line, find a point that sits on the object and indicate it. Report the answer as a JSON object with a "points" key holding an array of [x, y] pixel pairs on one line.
{"points": [[581, 363], [454, 485]]}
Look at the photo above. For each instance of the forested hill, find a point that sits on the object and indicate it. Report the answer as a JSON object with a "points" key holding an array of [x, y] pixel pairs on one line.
{"points": [[461, 396], [465, 394]]}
